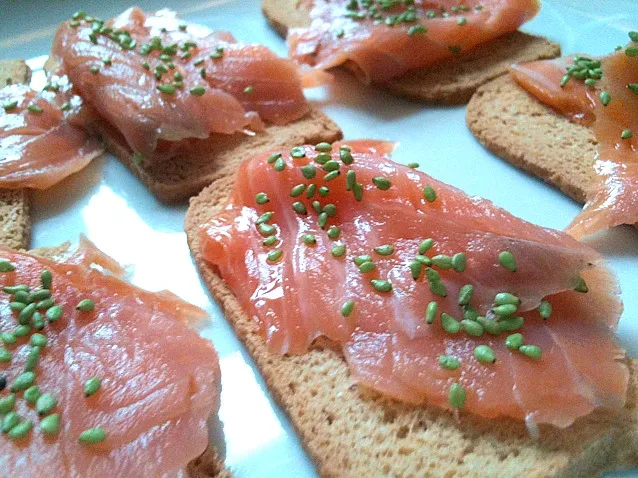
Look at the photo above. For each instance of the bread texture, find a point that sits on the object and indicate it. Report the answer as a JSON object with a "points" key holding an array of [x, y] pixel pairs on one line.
{"points": [[452, 82], [351, 432], [180, 178], [15, 224], [514, 125]]}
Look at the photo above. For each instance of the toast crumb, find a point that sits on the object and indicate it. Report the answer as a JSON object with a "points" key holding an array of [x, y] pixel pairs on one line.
{"points": [[452, 82], [180, 178], [512, 124], [15, 223], [352, 432]]}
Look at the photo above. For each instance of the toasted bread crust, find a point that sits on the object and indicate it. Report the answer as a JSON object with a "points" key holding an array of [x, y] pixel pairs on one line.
{"points": [[351, 432], [180, 178], [515, 126], [452, 82], [15, 223]]}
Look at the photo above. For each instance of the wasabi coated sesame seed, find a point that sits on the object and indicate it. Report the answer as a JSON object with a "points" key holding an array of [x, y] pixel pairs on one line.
{"points": [[273, 157], [23, 296], [8, 338], [415, 269], [351, 179], [323, 147], [347, 308], [331, 175], [197, 91], [503, 298], [459, 262], [310, 192], [361, 259], [266, 229], [21, 331], [425, 260], [50, 425], [92, 386], [382, 183], [330, 210], [465, 294], [505, 310], [333, 232], [35, 109], [92, 435], [15, 288], [425, 246], [331, 165], [449, 362], [514, 341], [367, 267], [264, 218], [450, 324], [45, 404], [32, 359], [346, 156], [298, 152], [381, 285], [322, 220], [298, 190], [338, 251], [633, 87], [384, 250], [316, 205], [485, 354], [438, 288], [470, 313], [47, 279], [533, 351], [472, 328], [429, 194], [9, 421], [280, 164], [261, 198], [545, 309], [308, 171], [7, 403], [38, 340], [323, 158], [417, 30], [5, 355], [299, 207], [85, 305], [510, 324], [309, 239], [442, 261], [22, 382], [25, 314], [45, 304], [37, 321], [274, 256], [270, 241], [357, 190], [32, 394], [430, 312], [249, 90], [20, 430], [506, 259], [457, 395]]}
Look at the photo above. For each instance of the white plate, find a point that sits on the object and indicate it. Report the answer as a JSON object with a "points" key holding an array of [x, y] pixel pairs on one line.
{"points": [[108, 205]]}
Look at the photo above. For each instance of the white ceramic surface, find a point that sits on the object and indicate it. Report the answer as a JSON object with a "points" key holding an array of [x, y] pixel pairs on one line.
{"points": [[106, 203]]}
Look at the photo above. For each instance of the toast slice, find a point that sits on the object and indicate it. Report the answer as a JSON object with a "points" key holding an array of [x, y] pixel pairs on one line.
{"points": [[15, 225], [514, 125], [208, 464], [180, 178], [452, 82], [351, 432]]}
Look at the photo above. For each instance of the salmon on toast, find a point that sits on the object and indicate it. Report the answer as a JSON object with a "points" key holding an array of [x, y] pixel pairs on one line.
{"points": [[433, 297], [601, 93], [97, 377]]}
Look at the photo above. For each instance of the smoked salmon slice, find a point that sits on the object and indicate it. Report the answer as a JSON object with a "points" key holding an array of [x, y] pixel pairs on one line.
{"points": [[382, 40], [159, 381], [42, 140], [601, 93], [157, 78], [421, 285]]}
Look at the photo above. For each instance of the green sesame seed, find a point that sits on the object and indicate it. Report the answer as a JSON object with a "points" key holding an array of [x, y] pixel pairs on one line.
{"points": [[45, 304], [425, 246], [298, 152], [415, 269], [54, 313], [366, 267], [459, 262], [16, 288], [299, 207], [8, 338], [50, 425], [323, 147], [381, 285], [425, 260], [280, 164], [417, 30], [450, 324], [197, 91], [443, 261], [457, 396], [92, 386], [633, 36], [346, 156], [23, 296], [438, 288], [6, 266], [322, 220], [330, 210], [38, 340], [331, 165], [270, 241], [503, 298], [309, 239], [514, 341], [273, 157], [506, 259], [465, 294], [40, 295], [331, 175], [431, 311], [631, 51], [338, 251], [25, 314], [510, 324], [32, 359], [351, 180], [167, 89], [581, 286], [9, 421], [308, 171], [505, 310], [461, 21], [324, 191], [361, 259], [470, 313], [413, 165], [23, 381], [591, 82], [449, 362], [266, 229], [92, 435], [544, 309], [46, 278], [7, 403], [384, 250], [20, 430], [485, 354], [249, 90], [347, 308], [605, 98], [633, 87], [274, 256], [297, 190], [533, 351], [46, 402], [261, 198], [5, 355], [37, 321], [382, 183], [429, 194], [310, 192], [85, 305], [264, 218], [357, 190], [21, 331], [10, 106], [472, 328], [32, 394], [323, 158], [333, 232], [626, 134]]}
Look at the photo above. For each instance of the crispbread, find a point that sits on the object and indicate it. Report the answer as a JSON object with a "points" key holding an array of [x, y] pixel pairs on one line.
{"points": [[15, 225], [515, 126], [452, 82], [180, 178], [352, 432]]}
